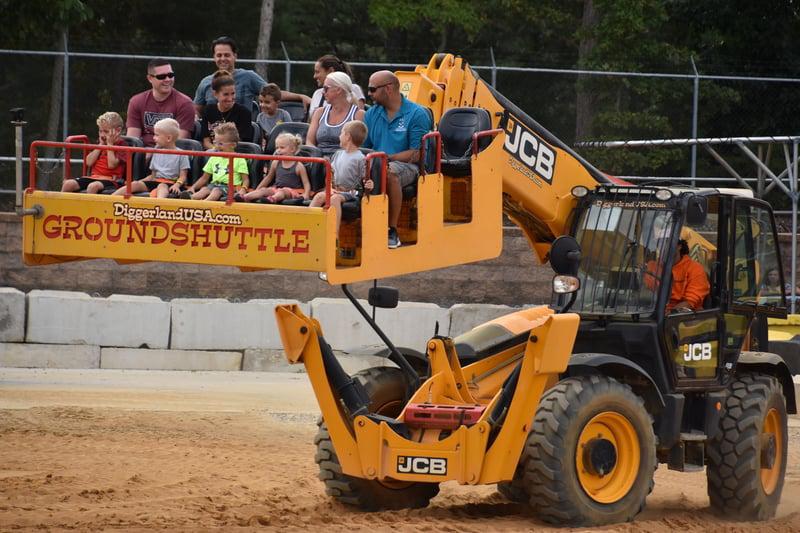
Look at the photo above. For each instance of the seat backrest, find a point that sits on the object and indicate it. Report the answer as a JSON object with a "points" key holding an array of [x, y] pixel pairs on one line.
{"points": [[429, 165], [139, 159], [257, 133], [254, 166], [296, 110], [298, 128], [255, 109], [315, 171], [457, 126], [195, 163], [197, 131]]}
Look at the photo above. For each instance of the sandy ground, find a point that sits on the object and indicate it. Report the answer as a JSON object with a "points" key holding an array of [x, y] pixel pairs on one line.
{"points": [[105, 450]]}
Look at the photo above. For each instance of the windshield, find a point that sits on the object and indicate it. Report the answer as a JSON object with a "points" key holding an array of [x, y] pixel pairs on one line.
{"points": [[624, 245]]}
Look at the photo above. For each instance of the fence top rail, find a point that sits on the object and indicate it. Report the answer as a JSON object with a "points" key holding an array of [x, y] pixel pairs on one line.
{"points": [[493, 67], [690, 142]]}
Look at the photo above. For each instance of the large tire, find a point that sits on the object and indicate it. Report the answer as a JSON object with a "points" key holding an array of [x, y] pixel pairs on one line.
{"points": [[580, 425], [738, 484], [386, 387]]}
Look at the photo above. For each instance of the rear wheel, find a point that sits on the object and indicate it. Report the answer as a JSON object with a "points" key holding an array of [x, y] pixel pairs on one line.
{"points": [[386, 387], [747, 460], [590, 455]]}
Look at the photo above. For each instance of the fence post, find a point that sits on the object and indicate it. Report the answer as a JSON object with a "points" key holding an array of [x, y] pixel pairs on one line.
{"points": [[794, 186], [695, 98], [288, 81], [494, 67], [65, 103]]}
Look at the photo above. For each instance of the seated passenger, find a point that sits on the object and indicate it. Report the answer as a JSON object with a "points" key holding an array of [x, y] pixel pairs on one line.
{"points": [[291, 178], [107, 167], [216, 169], [224, 110], [325, 65], [327, 121], [168, 172], [348, 167], [396, 126], [271, 115], [690, 284]]}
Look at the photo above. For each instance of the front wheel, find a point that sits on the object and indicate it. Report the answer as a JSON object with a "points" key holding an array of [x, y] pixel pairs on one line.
{"points": [[747, 460], [590, 456], [386, 388]]}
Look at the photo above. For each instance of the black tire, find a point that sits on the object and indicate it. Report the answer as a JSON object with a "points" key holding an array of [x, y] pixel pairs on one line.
{"points": [[558, 494], [386, 387], [738, 487], [514, 490]]}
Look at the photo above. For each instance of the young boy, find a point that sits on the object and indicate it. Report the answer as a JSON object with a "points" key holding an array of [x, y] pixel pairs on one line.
{"points": [[225, 138], [107, 166], [271, 115], [348, 167], [168, 172]]}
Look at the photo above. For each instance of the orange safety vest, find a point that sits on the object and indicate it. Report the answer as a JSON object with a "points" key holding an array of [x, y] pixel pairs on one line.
{"points": [[689, 282]]}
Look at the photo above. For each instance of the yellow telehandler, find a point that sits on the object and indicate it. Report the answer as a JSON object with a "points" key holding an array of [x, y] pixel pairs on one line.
{"points": [[568, 407]]}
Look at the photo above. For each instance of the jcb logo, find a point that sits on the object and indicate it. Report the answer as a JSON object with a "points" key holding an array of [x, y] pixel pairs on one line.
{"points": [[700, 351], [435, 466], [530, 150]]}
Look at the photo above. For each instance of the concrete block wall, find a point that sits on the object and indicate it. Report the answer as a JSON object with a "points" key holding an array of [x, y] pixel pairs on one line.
{"points": [[62, 329]]}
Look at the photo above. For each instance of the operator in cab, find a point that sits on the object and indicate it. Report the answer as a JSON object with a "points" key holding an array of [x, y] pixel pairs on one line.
{"points": [[689, 283]]}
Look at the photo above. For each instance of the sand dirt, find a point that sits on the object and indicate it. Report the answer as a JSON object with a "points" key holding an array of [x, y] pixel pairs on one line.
{"points": [[215, 452]]}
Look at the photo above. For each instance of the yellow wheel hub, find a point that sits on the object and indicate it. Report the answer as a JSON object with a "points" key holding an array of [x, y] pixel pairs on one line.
{"points": [[771, 451], [607, 457]]}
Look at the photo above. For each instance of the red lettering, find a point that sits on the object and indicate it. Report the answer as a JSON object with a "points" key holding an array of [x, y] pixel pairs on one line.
{"points": [[156, 225], [262, 234], [179, 235], [55, 231], [137, 228], [110, 223], [300, 241], [241, 232], [94, 221], [71, 225], [204, 235], [220, 229], [279, 237]]}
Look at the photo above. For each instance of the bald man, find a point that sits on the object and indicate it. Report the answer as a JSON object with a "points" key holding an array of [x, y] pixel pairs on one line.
{"points": [[395, 126]]}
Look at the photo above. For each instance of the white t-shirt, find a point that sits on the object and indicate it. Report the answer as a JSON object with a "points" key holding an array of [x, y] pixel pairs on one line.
{"points": [[348, 169], [317, 100]]}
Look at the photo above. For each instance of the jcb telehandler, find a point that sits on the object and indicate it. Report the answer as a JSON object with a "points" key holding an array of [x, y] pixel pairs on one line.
{"points": [[569, 407]]}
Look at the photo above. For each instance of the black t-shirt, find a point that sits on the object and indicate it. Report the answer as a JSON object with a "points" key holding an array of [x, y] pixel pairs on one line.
{"points": [[238, 114]]}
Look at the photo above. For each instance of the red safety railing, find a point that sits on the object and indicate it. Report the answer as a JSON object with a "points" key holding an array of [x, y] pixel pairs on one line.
{"points": [[480, 134], [81, 145], [68, 153], [431, 135], [384, 168]]}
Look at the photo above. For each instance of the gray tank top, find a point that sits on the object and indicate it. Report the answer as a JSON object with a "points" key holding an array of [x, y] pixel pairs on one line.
{"points": [[287, 177], [328, 135]]}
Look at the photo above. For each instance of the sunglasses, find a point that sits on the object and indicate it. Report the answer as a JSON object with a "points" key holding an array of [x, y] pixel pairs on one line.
{"points": [[326, 88], [162, 77], [373, 89]]}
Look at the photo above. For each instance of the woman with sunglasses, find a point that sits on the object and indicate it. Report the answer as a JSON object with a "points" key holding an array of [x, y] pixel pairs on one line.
{"points": [[223, 87], [325, 65], [339, 109], [161, 101]]}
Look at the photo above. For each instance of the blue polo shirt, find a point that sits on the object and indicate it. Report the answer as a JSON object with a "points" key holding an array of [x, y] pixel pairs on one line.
{"points": [[248, 85], [404, 132]]}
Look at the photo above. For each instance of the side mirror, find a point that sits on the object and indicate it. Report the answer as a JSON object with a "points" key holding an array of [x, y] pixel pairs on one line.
{"points": [[696, 210], [383, 297], [565, 255]]}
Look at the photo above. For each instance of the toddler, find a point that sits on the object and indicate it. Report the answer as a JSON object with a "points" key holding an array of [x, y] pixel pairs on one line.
{"points": [[291, 178], [107, 166]]}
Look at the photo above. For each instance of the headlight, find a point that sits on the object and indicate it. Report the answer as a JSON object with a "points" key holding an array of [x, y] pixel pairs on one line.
{"points": [[579, 191], [663, 194], [323, 276], [565, 284]]}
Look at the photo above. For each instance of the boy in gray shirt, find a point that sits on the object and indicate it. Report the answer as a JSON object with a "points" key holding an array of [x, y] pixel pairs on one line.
{"points": [[271, 115], [348, 166]]}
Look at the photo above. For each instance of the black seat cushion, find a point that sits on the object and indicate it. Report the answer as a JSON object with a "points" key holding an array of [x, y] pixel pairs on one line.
{"points": [[296, 110], [298, 128], [457, 127], [195, 163]]}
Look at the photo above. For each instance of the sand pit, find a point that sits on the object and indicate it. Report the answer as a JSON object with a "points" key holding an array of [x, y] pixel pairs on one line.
{"points": [[75, 457]]}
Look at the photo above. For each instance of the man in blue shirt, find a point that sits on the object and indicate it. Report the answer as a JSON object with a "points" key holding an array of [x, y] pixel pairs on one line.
{"points": [[395, 126], [248, 82]]}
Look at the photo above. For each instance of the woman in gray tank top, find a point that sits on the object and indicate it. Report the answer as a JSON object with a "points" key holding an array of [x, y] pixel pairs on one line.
{"points": [[341, 108]]}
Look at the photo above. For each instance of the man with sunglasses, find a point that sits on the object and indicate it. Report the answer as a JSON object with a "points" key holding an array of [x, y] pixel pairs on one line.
{"points": [[159, 102], [396, 126]]}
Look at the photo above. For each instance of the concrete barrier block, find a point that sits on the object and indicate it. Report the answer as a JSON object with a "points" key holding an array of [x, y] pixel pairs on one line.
{"points": [[131, 358], [217, 324], [464, 317], [268, 360], [61, 317], [409, 325], [49, 356], [12, 315]]}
